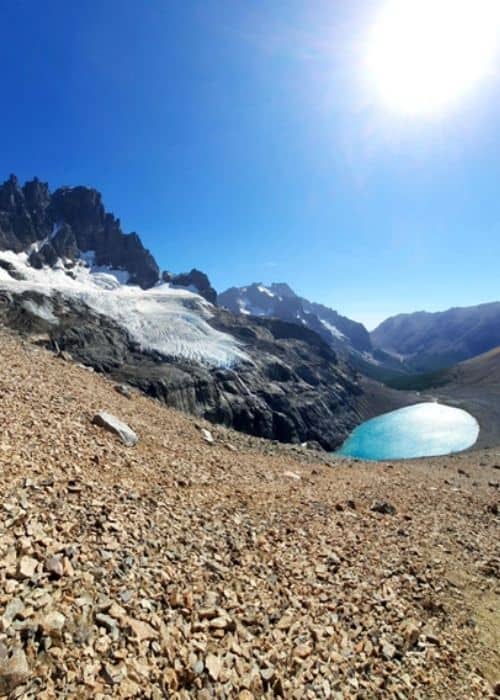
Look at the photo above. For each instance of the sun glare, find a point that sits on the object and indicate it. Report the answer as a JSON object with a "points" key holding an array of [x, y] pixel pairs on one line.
{"points": [[423, 55]]}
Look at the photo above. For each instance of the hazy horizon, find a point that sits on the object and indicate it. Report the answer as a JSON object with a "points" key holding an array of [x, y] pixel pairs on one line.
{"points": [[259, 145]]}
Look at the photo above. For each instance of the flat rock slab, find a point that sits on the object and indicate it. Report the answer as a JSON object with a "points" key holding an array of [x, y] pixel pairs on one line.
{"points": [[116, 426]]}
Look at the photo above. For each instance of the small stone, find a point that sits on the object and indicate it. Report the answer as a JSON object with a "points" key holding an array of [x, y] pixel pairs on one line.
{"points": [[267, 674], [384, 508], [54, 566], [113, 675], [285, 622], [117, 611], [176, 599], [123, 390], [141, 629], [27, 567], [207, 436], [198, 667], [213, 665], [68, 569], [14, 671], [411, 634], [14, 607], [302, 651], [388, 650], [106, 621], [53, 622], [219, 623], [116, 426], [292, 475]]}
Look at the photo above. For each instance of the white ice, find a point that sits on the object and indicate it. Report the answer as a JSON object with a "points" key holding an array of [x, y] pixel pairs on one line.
{"points": [[333, 330], [172, 322]]}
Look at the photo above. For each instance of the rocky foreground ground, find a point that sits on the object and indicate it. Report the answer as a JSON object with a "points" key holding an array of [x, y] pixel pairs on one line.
{"points": [[238, 568]]}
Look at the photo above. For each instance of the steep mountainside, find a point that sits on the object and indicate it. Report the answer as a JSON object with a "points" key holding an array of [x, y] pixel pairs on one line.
{"points": [[278, 300], [69, 275], [430, 341], [348, 338]]}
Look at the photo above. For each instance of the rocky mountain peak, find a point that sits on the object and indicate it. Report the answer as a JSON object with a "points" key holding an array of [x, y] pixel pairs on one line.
{"points": [[67, 223], [195, 280], [282, 289], [278, 300], [36, 194]]}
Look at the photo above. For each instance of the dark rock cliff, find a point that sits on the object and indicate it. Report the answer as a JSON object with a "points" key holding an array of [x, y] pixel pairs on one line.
{"points": [[66, 223]]}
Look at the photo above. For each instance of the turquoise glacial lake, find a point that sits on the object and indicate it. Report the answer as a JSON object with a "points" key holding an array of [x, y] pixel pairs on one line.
{"points": [[423, 430]]}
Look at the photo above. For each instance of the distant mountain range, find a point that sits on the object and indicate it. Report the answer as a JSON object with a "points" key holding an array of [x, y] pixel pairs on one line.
{"points": [[407, 344], [425, 342]]}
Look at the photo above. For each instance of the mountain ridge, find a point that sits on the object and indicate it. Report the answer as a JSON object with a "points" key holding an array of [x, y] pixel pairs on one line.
{"points": [[279, 300], [428, 341]]}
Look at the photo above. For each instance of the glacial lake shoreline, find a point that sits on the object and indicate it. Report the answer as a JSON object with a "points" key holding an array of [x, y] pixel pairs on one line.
{"points": [[426, 429]]}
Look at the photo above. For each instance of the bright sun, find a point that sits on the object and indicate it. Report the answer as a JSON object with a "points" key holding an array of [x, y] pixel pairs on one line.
{"points": [[425, 54]]}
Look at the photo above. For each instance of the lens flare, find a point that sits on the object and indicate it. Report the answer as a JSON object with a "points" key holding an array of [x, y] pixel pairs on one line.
{"points": [[423, 55]]}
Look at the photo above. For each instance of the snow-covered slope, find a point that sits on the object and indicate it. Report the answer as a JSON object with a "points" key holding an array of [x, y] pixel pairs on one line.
{"points": [[164, 319]]}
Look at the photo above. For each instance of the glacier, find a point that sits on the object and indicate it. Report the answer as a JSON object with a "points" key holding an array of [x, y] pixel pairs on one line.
{"points": [[170, 321]]}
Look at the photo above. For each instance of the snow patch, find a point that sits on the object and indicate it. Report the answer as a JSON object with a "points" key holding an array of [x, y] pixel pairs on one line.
{"points": [[121, 276], [38, 245], [265, 290], [249, 309], [333, 330], [369, 358]]}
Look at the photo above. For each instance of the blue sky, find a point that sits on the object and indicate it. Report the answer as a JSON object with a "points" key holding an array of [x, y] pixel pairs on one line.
{"points": [[244, 139]]}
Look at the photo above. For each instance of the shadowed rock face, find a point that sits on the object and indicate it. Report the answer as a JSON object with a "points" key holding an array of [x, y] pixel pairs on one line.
{"points": [[195, 280], [72, 220]]}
